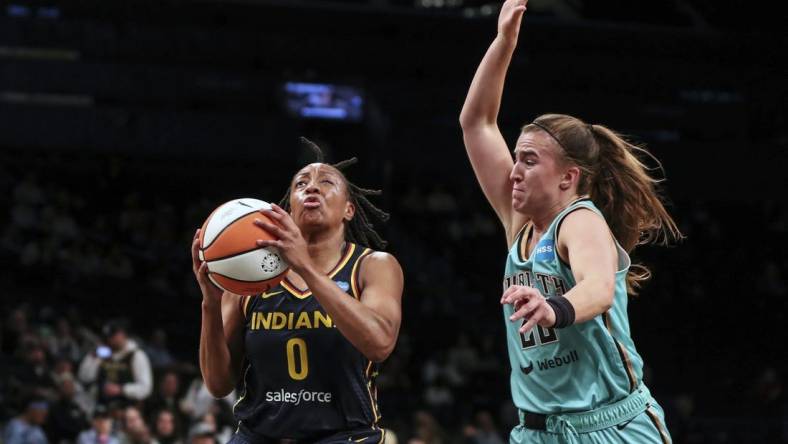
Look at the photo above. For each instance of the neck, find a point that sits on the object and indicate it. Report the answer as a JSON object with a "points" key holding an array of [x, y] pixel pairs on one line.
{"points": [[545, 218], [325, 247]]}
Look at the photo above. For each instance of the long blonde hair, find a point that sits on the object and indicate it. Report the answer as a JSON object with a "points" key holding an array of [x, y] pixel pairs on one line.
{"points": [[617, 181]]}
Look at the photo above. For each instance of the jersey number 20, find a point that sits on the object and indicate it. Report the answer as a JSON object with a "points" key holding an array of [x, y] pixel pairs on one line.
{"points": [[546, 336], [297, 372]]}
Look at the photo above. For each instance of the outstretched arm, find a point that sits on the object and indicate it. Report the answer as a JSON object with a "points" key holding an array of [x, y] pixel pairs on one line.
{"points": [[486, 147]]}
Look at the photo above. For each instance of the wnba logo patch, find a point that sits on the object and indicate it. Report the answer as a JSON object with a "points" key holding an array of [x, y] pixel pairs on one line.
{"points": [[343, 285], [545, 250]]}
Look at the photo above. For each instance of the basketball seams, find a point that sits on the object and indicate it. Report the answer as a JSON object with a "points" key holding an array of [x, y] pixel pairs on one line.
{"points": [[231, 251], [236, 224], [246, 281], [227, 225], [230, 256]]}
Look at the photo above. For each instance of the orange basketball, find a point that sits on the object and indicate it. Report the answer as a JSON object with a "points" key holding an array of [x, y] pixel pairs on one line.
{"points": [[228, 244]]}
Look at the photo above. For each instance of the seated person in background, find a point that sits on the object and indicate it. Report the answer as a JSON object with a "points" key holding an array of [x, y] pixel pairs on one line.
{"points": [[26, 428], [101, 432]]}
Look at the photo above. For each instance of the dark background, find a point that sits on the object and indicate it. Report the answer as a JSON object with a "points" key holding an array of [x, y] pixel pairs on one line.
{"points": [[123, 124]]}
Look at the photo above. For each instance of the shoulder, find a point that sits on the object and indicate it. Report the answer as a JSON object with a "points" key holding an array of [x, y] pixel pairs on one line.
{"points": [[582, 219], [379, 261], [581, 225], [380, 268], [380, 256]]}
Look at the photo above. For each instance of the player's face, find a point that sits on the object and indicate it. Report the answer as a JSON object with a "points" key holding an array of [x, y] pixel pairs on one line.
{"points": [[536, 173], [319, 197]]}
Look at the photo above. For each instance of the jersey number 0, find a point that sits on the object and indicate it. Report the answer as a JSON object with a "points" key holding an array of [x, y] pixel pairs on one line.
{"points": [[297, 372]]}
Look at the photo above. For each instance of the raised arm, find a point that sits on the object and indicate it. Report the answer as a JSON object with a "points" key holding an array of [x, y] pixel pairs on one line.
{"points": [[487, 150], [221, 340]]}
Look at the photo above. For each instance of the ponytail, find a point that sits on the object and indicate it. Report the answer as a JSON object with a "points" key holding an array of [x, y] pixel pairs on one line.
{"points": [[619, 183], [626, 193]]}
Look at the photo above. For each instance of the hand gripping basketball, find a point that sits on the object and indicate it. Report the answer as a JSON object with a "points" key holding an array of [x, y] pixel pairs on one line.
{"points": [[288, 239], [228, 246], [210, 292]]}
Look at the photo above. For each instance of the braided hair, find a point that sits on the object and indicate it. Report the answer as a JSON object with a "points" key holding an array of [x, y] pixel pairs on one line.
{"points": [[359, 229]]}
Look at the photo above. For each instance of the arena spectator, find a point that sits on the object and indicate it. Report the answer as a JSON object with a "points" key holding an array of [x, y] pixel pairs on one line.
{"points": [[26, 428], [121, 373], [101, 432]]}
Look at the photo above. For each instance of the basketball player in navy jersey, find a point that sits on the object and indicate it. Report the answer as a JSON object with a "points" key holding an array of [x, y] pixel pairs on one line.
{"points": [[305, 353]]}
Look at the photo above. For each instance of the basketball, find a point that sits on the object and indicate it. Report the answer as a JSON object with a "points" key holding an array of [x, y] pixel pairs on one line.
{"points": [[228, 244]]}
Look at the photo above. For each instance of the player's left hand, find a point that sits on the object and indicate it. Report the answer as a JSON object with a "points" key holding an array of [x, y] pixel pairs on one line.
{"points": [[528, 304], [289, 241]]}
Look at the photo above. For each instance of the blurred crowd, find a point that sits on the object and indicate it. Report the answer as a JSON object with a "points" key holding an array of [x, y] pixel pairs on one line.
{"points": [[65, 383], [100, 317]]}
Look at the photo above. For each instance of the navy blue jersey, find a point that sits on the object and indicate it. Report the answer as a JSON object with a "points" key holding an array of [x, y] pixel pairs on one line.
{"points": [[301, 377]]}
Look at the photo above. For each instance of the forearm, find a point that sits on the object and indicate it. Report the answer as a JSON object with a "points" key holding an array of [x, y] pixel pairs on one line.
{"points": [[215, 360], [590, 298], [363, 327], [484, 96]]}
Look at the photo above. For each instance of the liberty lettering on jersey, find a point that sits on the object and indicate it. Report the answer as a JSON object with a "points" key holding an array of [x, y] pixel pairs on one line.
{"points": [[550, 286]]}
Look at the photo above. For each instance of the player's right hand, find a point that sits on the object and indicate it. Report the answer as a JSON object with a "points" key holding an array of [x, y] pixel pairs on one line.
{"points": [[210, 292], [510, 18]]}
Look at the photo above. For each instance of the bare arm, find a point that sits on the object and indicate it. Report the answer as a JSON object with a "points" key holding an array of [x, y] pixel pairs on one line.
{"points": [[486, 147], [221, 340], [586, 241], [371, 323]]}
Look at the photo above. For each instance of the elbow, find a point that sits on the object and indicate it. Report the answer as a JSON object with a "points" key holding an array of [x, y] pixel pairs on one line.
{"points": [[465, 121], [470, 122], [378, 356], [474, 124], [607, 291], [218, 391], [380, 350], [218, 388], [469, 119]]}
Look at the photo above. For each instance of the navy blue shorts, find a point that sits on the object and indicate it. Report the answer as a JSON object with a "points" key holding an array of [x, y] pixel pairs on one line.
{"points": [[373, 435]]}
